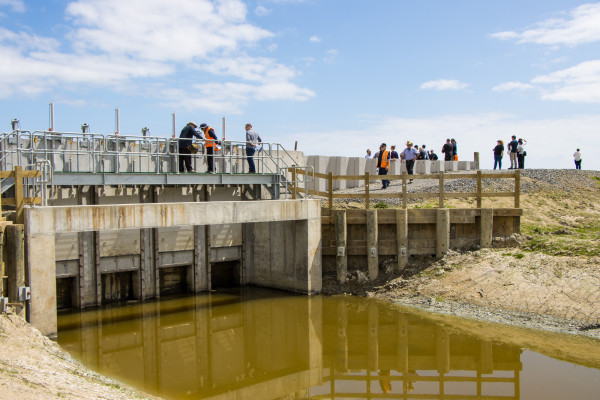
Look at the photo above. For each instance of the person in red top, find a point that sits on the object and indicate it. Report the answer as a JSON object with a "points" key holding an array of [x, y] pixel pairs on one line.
{"points": [[210, 138], [383, 164]]}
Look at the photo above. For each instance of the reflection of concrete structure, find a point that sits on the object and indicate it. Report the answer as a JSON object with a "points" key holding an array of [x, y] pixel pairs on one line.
{"points": [[268, 348]]}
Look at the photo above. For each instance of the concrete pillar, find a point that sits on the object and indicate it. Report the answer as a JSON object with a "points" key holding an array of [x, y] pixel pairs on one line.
{"points": [[201, 259], [147, 267], [372, 251], [15, 263], [341, 258], [87, 271], [442, 237], [487, 222], [402, 238], [41, 270]]}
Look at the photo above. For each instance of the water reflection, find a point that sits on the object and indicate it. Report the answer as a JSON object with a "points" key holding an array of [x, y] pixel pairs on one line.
{"points": [[259, 344]]}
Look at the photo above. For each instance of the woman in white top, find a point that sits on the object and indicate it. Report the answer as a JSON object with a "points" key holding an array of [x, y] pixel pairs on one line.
{"points": [[521, 153], [577, 157]]}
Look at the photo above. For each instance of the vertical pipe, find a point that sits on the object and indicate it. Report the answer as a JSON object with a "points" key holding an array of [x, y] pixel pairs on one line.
{"points": [[14, 124], [223, 128], [174, 124], [116, 121], [51, 129]]}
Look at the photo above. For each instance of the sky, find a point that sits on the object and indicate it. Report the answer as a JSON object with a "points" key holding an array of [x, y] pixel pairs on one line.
{"points": [[337, 76]]}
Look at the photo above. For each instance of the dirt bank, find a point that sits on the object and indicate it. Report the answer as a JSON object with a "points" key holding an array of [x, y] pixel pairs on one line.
{"points": [[547, 278], [34, 367]]}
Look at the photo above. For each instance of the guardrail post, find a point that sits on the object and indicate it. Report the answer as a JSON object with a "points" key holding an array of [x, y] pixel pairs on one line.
{"points": [[293, 182], [372, 251], [341, 259], [367, 191], [517, 189], [478, 187], [441, 189]]}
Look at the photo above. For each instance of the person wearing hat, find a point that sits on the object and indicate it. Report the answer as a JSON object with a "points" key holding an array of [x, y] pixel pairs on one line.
{"points": [[409, 154], [383, 164], [185, 146], [252, 141], [210, 138]]}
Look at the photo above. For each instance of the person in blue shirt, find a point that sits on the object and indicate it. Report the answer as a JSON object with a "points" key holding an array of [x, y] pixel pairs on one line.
{"points": [[409, 154]]}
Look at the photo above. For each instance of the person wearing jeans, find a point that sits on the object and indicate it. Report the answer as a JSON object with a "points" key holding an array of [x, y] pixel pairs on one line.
{"points": [[498, 153], [252, 141]]}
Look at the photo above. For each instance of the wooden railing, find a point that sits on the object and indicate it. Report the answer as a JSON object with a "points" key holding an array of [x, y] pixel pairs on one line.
{"points": [[441, 195], [19, 201]]}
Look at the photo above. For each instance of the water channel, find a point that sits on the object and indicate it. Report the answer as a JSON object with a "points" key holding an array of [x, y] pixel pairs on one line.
{"points": [[262, 344]]}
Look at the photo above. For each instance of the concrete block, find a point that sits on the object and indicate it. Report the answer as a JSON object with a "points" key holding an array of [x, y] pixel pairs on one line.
{"points": [[423, 167], [450, 165], [436, 166], [463, 165]]}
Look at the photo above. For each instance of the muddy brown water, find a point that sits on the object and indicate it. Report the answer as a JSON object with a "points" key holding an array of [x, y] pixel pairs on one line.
{"points": [[263, 344]]}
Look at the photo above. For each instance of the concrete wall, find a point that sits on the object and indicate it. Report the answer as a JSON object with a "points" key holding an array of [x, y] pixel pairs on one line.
{"points": [[282, 241]]}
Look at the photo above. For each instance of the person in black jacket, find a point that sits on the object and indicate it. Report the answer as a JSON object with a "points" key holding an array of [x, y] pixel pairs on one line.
{"points": [[498, 153], [185, 146], [448, 150]]}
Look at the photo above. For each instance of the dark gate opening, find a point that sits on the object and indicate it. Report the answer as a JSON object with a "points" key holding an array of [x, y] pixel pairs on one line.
{"points": [[65, 291], [117, 286], [225, 274], [173, 280]]}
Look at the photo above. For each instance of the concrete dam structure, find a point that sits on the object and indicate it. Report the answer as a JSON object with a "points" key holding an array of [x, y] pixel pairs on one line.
{"points": [[111, 219]]}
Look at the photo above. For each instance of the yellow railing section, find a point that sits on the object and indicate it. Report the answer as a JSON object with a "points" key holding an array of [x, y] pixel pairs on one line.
{"points": [[19, 201]]}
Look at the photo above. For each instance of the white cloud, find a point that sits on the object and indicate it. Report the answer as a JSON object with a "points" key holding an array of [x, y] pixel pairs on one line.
{"points": [[444, 84], [262, 11], [580, 83], [506, 86], [330, 56], [583, 26], [15, 5], [116, 43], [314, 39]]}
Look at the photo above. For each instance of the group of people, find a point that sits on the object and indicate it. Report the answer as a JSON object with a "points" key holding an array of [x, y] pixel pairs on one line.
{"points": [[516, 153], [187, 147], [410, 154]]}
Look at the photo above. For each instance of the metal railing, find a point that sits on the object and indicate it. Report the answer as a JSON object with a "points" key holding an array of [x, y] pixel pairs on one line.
{"points": [[95, 153]]}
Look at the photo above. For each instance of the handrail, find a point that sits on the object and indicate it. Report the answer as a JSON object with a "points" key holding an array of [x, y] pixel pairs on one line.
{"points": [[441, 195]]}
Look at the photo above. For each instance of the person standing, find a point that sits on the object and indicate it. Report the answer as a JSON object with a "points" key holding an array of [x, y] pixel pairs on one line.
{"points": [[512, 152], [454, 150], [498, 154], [521, 153], [252, 141], [394, 153], [577, 158], [409, 154], [368, 155], [210, 138], [448, 151], [185, 146], [423, 155], [383, 164]]}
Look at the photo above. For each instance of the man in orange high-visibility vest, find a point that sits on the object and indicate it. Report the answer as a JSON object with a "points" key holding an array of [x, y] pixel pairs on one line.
{"points": [[383, 164], [210, 139]]}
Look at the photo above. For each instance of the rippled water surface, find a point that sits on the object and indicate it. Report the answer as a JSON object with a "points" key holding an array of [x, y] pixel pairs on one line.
{"points": [[260, 344]]}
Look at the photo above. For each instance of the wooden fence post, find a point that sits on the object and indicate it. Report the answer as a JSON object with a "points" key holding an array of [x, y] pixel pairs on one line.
{"points": [[402, 238], [442, 237], [476, 159], [517, 189], [341, 259], [478, 187], [330, 191], [404, 191], [367, 191], [293, 182], [441, 189], [19, 202], [372, 251]]}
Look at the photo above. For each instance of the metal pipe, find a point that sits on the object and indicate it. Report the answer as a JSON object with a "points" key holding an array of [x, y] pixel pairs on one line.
{"points": [[145, 131], [223, 128], [116, 121], [14, 124], [85, 128], [51, 117], [174, 124]]}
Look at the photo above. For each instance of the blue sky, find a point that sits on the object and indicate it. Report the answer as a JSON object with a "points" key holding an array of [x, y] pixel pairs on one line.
{"points": [[338, 76]]}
